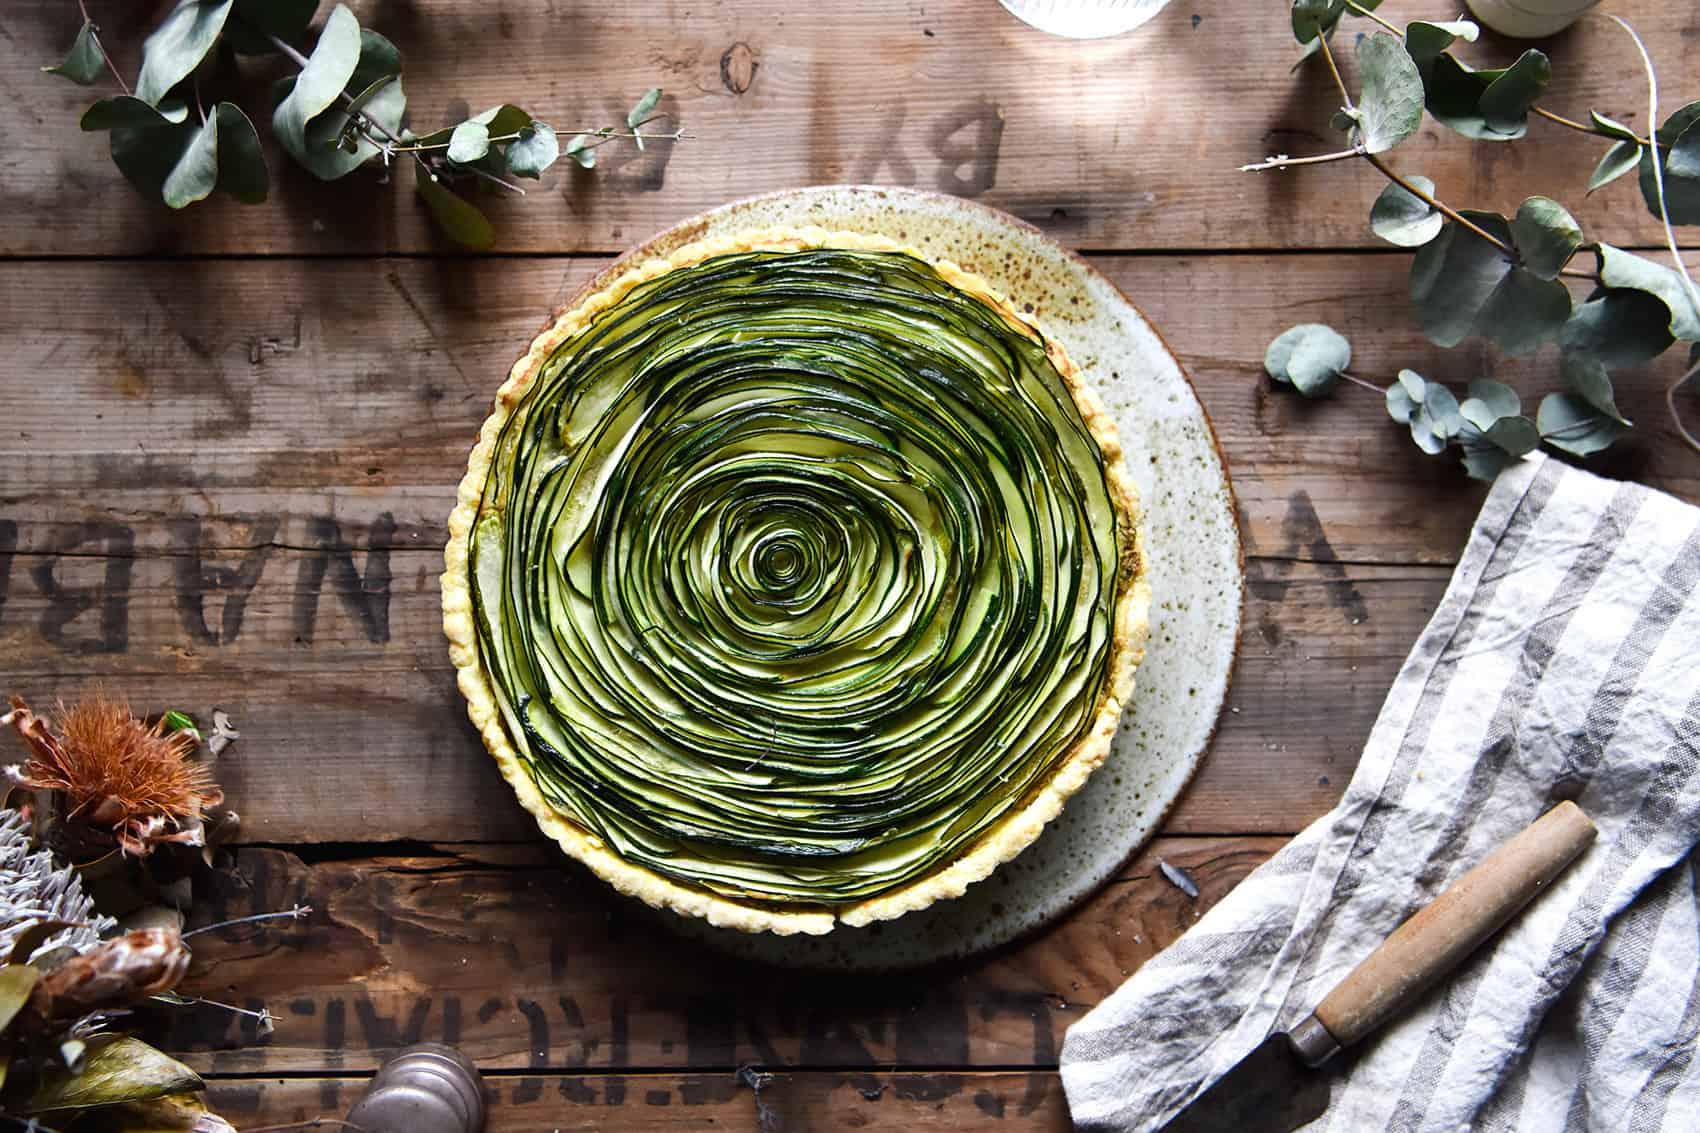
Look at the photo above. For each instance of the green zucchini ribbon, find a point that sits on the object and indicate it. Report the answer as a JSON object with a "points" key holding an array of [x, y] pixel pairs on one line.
{"points": [[794, 572]]}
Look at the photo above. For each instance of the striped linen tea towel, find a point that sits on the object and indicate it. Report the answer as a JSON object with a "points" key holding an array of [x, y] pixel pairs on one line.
{"points": [[1563, 663]]}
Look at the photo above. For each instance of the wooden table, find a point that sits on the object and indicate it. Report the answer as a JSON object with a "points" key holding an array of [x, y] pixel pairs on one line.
{"points": [[232, 435]]}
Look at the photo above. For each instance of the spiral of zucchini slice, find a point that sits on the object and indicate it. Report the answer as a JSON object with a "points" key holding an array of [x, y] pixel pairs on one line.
{"points": [[793, 572]]}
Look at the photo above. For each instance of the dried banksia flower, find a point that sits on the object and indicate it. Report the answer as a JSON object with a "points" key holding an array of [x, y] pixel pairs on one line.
{"points": [[116, 772], [113, 975]]}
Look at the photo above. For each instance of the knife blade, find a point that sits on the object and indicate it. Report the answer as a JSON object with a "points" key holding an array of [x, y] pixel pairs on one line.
{"points": [[1278, 1086]]}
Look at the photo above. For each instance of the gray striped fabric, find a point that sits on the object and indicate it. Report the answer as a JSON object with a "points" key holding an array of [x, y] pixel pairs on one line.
{"points": [[1563, 663]]}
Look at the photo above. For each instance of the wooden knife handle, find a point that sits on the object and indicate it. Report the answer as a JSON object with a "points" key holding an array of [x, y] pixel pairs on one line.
{"points": [[1440, 936]]}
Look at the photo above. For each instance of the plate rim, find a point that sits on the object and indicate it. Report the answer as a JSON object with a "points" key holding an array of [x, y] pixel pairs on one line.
{"points": [[693, 227]]}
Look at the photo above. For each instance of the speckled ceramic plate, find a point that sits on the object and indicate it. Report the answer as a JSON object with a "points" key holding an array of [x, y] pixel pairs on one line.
{"points": [[1193, 554]]}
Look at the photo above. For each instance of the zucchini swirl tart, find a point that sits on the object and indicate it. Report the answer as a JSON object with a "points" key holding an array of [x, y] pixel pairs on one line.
{"points": [[795, 579]]}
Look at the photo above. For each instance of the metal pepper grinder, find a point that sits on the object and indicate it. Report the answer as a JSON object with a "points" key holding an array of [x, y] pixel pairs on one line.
{"points": [[429, 1088]]}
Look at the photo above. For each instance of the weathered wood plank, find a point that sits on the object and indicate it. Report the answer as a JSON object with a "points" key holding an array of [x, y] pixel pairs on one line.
{"points": [[332, 662], [354, 389], [1099, 143], [235, 453], [528, 963], [788, 1102]]}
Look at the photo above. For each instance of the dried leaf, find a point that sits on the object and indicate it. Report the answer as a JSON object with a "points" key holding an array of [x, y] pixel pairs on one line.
{"points": [[120, 1069], [17, 981], [1179, 878]]}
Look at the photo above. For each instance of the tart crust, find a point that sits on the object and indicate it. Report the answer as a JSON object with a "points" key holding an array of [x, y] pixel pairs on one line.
{"points": [[1006, 838]]}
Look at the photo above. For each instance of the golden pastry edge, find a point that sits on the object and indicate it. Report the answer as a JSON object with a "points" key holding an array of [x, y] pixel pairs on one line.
{"points": [[1012, 833]]}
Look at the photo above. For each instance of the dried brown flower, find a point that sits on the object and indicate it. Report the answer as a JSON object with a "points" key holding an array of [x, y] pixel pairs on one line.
{"points": [[116, 772], [113, 975]]}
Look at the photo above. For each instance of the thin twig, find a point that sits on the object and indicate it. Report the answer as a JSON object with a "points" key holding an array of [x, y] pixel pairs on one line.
{"points": [[297, 913], [1334, 69], [101, 47], [366, 121], [1582, 273], [491, 177], [1358, 10], [1583, 127], [1446, 210], [1670, 235], [1355, 380], [1282, 161]]}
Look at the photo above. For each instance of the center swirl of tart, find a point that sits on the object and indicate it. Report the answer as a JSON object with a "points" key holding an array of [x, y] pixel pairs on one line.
{"points": [[794, 572]]}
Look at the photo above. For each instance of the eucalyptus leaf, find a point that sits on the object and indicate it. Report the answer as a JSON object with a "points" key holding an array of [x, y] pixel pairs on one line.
{"points": [[646, 106], [1515, 435], [115, 1070], [1499, 399], [1313, 18], [533, 151], [1620, 328], [1625, 269], [1485, 461], [1426, 39], [456, 216], [255, 20], [1612, 127], [1309, 357], [178, 45], [241, 164], [1570, 424], [84, 62], [1404, 395], [196, 172], [1506, 102], [126, 112], [1545, 235], [1462, 284], [1390, 107], [1403, 218], [146, 157], [1436, 420], [469, 142], [328, 154], [1618, 160], [579, 150], [1587, 378], [16, 983], [320, 83], [1682, 193], [1488, 105], [1683, 160]]}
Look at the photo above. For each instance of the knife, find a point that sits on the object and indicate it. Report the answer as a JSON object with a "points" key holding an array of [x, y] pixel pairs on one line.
{"points": [[1277, 1087]]}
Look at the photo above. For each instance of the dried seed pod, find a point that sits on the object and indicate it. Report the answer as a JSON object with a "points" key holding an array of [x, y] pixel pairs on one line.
{"points": [[114, 974]]}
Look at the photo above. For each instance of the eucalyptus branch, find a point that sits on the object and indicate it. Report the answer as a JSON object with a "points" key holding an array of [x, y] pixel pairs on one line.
{"points": [[1334, 70], [1367, 13], [1670, 235], [1584, 128], [1433, 202], [101, 47], [1357, 381], [1282, 161], [298, 912]]}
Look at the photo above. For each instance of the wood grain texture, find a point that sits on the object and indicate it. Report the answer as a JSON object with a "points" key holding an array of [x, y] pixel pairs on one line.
{"points": [[787, 1102], [529, 963], [1127, 143], [202, 534], [355, 389]]}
